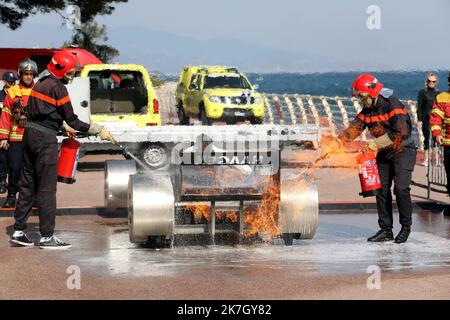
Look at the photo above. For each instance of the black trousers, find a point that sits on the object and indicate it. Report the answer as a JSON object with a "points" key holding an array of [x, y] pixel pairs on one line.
{"points": [[395, 167], [426, 130], [39, 178], [15, 167], [3, 164], [447, 166]]}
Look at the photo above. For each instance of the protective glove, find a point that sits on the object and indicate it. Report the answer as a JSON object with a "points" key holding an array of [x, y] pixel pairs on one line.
{"points": [[106, 135], [94, 129], [379, 143], [98, 130], [67, 130]]}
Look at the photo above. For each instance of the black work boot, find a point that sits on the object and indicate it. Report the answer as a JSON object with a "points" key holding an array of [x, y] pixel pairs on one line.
{"points": [[9, 203], [382, 235], [403, 235]]}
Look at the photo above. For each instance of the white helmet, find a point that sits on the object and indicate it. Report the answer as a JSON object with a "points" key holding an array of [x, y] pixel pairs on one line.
{"points": [[27, 65]]}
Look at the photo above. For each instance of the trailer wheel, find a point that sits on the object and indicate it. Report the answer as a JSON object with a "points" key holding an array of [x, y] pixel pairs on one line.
{"points": [[288, 238], [156, 156], [158, 242]]}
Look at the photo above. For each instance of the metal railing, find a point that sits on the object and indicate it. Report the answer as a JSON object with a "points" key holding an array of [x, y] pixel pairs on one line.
{"points": [[436, 175]]}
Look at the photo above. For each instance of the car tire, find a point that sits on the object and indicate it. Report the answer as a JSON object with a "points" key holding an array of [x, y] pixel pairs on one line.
{"points": [[257, 121], [182, 117], [203, 118]]}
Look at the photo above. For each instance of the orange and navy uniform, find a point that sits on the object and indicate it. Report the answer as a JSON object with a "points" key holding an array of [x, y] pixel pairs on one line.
{"points": [[50, 104], [389, 116], [9, 128], [440, 118]]}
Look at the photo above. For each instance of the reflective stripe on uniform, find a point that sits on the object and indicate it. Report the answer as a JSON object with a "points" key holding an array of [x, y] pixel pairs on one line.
{"points": [[382, 117], [6, 110], [47, 99], [63, 101], [43, 97], [440, 113], [435, 128], [16, 136]]}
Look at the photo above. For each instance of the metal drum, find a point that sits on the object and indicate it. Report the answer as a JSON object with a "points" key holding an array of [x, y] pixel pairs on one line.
{"points": [[117, 173], [299, 204], [151, 207]]}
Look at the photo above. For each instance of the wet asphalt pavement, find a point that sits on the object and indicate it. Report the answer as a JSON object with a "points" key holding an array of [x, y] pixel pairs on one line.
{"points": [[335, 261]]}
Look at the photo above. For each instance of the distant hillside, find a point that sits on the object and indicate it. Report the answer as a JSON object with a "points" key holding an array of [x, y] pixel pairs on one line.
{"points": [[169, 53]]}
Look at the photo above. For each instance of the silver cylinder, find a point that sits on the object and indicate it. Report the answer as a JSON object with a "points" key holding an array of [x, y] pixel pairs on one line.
{"points": [[299, 204], [151, 207], [117, 173]]}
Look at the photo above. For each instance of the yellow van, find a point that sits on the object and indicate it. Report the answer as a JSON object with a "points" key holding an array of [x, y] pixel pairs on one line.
{"points": [[217, 94]]}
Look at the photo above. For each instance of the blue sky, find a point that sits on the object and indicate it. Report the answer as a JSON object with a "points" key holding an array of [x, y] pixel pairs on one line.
{"points": [[325, 35]]}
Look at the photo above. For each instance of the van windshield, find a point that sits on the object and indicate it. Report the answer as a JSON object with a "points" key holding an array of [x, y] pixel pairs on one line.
{"points": [[234, 82]]}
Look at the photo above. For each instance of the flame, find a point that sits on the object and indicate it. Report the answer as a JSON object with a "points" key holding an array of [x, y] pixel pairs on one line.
{"points": [[232, 215], [203, 210], [263, 219], [199, 210]]}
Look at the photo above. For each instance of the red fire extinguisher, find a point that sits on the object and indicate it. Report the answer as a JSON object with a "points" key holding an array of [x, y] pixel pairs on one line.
{"points": [[368, 174], [68, 160]]}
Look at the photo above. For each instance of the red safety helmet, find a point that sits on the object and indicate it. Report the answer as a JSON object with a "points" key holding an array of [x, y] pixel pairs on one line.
{"points": [[366, 84], [62, 63]]}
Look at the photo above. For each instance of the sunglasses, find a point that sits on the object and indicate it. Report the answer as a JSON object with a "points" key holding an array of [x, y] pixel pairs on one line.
{"points": [[431, 81]]}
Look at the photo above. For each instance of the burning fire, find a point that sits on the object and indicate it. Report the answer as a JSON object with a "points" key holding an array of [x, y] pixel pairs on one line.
{"points": [[199, 210], [260, 219], [203, 210], [263, 219]]}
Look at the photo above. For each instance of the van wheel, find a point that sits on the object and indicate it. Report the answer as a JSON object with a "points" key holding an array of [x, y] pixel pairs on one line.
{"points": [[182, 117], [257, 121], [203, 118]]}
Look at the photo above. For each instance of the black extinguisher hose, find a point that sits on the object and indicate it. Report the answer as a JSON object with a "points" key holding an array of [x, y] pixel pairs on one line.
{"points": [[128, 155]]}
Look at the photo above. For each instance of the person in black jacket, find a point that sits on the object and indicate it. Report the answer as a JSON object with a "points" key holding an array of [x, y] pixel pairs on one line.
{"points": [[48, 106], [425, 101], [389, 123]]}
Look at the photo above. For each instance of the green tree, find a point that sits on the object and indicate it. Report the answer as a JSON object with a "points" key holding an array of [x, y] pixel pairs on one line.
{"points": [[89, 37], [14, 12]]}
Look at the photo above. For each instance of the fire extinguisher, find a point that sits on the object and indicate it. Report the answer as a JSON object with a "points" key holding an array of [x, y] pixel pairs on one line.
{"points": [[68, 160], [368, 174]]}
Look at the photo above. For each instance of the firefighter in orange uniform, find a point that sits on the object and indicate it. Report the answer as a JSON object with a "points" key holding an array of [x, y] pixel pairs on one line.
{"points": [[440, 127], [12, 126]]}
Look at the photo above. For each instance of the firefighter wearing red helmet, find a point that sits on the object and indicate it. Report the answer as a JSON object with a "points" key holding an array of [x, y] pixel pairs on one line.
{"points": [[48, 106], [389, 123]]}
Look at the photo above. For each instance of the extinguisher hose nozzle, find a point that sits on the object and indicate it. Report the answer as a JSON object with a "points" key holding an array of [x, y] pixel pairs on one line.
{"points": [[129, 156]]}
